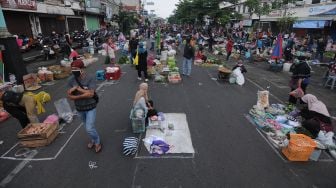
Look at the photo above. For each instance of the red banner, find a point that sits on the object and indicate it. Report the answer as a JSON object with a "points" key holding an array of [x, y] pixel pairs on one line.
{"points": [[19, 4]]}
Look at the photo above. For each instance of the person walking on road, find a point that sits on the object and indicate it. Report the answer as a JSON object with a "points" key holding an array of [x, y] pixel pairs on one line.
{"points": [[133, 45], [142, 66], [82, 92], [300, 77], [229, 47], [109, 48], [188, 56]]}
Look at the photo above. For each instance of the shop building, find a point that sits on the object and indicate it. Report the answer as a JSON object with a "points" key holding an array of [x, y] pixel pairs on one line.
{"points": [[31, 17]]}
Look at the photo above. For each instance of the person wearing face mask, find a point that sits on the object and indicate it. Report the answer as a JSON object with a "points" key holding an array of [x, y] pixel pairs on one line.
{"points": [[300, 77], [82, 91]]}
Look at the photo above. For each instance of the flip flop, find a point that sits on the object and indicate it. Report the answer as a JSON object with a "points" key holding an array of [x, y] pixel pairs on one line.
{"points": [[98, 148], [90, 145]]}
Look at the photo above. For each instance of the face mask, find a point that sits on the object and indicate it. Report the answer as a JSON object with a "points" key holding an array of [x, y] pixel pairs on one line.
{"points": [[76, 73]]}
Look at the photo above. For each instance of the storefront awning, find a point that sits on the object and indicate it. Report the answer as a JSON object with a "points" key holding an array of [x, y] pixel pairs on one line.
{"points": [[58, 10], [311, 24]]}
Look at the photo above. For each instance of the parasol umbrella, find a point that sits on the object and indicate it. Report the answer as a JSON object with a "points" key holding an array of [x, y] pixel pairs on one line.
{"points": [[277, 51]]}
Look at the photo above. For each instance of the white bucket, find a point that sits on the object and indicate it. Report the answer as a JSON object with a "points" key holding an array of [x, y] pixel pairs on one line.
{"points": [[286, 67]]}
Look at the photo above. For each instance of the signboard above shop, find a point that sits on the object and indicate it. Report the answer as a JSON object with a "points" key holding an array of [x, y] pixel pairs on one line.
{"points": [[320, 9], [19, 4]]}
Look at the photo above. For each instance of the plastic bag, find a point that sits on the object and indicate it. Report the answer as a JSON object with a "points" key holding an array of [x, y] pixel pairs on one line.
{"points": [[297, 93], [64, 110], [263, 99]]}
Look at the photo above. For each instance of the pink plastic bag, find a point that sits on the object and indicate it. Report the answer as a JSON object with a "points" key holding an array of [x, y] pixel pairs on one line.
{"points": [[52, 119]]}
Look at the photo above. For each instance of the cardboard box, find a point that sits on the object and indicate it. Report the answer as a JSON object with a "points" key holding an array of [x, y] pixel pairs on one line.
{"points": [[39, 142], [30, 82], [46, 133]]}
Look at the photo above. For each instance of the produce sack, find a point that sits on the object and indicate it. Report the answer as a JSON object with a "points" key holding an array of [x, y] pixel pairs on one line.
{"points": [[263, 99]]}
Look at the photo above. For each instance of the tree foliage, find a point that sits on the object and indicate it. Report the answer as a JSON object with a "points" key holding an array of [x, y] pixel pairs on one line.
{"points": [[194, 11]]}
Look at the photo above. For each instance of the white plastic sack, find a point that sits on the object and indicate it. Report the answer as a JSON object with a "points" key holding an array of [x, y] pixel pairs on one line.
{"points": [[326, 138], [263, 99], [64, 110]]}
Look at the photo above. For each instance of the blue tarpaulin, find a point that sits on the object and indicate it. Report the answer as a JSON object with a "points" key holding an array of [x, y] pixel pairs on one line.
{"points": [[307, 24]]}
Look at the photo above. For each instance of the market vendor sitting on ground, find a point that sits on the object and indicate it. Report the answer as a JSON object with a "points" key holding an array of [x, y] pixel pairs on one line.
{"points": [[82, 92], [23, 106], [316, 115], [200, 55], [142, 102]]}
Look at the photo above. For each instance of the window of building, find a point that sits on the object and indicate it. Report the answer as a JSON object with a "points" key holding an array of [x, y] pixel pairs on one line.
{"points": [[238, 9], [316, 1], [244, 8]]}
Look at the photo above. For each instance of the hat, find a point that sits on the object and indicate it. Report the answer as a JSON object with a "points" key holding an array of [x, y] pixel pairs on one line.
{"points": [[77, 63]]}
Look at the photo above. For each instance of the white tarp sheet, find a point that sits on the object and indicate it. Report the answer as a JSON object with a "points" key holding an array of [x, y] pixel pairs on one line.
{"points": [[179, 138]]}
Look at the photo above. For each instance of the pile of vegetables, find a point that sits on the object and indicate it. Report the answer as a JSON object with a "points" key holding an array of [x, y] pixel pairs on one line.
{"points": [[123, 60]]}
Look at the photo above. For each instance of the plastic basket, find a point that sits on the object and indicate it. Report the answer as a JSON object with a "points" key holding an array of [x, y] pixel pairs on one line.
{"points": [[300, 148], [138, 124]]}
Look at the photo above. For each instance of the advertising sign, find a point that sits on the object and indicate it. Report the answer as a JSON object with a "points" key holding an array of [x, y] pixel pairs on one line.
{"points": [[320, 9], [19, 4]]}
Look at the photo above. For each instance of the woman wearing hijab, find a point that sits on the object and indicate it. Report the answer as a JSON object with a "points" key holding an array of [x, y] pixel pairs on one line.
{"points": [[142, 66], [141, 97], [316, 115], [109, 48]]}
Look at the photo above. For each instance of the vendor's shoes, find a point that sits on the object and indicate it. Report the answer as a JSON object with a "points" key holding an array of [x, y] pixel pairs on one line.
{"points": [[146, 80], [139, 78], [98, 148]]}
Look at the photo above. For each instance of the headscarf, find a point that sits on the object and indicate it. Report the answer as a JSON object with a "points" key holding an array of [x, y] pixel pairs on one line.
{"points": [[142, 48], [315, 105], [142, 92], [40, 98]]}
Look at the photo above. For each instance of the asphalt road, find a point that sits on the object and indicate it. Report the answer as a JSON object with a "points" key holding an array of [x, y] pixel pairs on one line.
{"points": [[229, 150]]}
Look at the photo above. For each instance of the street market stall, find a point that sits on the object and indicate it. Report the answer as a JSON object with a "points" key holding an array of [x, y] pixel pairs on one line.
{"points": [[282, 126]]}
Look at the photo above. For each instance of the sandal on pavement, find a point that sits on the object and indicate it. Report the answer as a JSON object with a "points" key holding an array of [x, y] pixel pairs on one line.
{"points": [[98, 148], [90, 145]]}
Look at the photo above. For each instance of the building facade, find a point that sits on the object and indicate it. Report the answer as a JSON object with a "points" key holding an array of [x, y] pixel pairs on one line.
{"points": [[31, 17]]}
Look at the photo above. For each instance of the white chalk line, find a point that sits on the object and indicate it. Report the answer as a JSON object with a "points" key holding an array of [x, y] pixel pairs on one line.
{"points": [[41, 159], [10, 150], [61, 149], [17, 169]]}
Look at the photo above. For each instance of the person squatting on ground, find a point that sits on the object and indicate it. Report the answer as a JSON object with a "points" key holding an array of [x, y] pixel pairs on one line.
{"points": [[316, 115], [188, 56], [300, 77], [23, 106], [141, 101], [200, 55], [82, 91], [142, 65]]}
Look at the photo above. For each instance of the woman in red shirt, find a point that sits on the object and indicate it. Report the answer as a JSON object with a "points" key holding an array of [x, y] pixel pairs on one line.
{"points": [[229, 47]]}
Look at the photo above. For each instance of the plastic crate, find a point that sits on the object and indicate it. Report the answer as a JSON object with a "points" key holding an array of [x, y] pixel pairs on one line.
{"points": [[138, 124], [300, 147]]}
